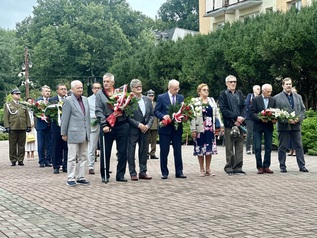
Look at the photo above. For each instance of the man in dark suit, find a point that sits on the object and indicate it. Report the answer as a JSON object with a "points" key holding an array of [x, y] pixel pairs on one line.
{"points": [[292, 102], [44, 133], [260, 127], [59, 146], [119, 132], [140, 123], [75, 129], [169, 133]]}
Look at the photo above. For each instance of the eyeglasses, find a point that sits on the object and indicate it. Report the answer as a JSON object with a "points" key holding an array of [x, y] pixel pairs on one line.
{"points": [[17, 93], [96, 87], [139, 86], [232, 81]]}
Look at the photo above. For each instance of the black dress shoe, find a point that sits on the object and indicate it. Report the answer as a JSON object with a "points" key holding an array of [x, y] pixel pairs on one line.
{"points": [[48, 165], [164, 177], [42, 165], [283, 171], [64, 170], [181, 176], [105, 180], [303, 170], [56, 171], [121, 180], [21, 163], [154, 157], [13, 163]]}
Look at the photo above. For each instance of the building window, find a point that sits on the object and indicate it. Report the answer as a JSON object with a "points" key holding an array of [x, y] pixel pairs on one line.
{"points": [[297, 4]]}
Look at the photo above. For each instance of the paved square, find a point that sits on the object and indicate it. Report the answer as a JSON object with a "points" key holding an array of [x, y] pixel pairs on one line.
{"points": [[34, 202]]}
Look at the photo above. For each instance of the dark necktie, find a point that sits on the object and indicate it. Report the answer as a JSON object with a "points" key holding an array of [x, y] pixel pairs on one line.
{"points": [[81, 104]]}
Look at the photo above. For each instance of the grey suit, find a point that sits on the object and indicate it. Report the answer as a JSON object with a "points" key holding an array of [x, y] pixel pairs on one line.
{"points": [[287, 131], [76, 125], [136, 136]]}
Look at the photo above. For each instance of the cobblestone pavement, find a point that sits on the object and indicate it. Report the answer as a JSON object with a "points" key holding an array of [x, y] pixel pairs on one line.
{"points": [[34, 202]]}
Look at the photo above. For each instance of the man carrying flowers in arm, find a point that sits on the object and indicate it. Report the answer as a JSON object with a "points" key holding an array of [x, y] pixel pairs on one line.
{"points": [[111, 111], [290, 127], [170, 132], [263, 119]]}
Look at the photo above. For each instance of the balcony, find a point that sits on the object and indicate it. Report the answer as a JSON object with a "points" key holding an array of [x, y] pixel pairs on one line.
{"points": [[221, 7]]}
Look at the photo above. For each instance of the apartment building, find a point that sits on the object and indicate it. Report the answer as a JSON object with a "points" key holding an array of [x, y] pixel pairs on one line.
{"points": [[213, 14]]}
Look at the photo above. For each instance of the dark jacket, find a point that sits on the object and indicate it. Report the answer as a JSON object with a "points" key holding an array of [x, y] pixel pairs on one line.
{"points": [[228, 114], [258, 106]]}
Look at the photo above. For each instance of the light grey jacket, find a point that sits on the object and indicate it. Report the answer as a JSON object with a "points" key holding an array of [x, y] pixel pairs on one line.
{"points": [[197, 124], [74, 123]]}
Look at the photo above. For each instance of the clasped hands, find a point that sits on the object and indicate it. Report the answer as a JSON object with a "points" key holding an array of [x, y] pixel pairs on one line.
{"points": [[143, 128], [293, 121]]}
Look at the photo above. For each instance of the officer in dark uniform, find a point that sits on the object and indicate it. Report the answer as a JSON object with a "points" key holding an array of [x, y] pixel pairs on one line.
{"points": [[17, 123]]}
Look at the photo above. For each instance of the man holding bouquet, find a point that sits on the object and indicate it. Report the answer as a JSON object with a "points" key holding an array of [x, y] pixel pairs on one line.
{"points": [[169, 133], [263, 126], [111, 130], [292, 127]]}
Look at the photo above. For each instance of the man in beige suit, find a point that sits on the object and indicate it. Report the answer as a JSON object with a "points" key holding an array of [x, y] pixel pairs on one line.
{"points": [[75, 129]]}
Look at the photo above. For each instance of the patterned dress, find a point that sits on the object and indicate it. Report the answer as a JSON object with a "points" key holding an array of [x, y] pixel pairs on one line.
{"points": [[204, 143]]}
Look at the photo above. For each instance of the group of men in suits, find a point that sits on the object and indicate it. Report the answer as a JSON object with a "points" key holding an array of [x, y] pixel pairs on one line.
{"points": [[286, 100], [128, 131]]}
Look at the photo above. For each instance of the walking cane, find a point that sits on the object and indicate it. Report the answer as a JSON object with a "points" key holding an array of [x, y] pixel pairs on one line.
{"points": [[105, 179]]}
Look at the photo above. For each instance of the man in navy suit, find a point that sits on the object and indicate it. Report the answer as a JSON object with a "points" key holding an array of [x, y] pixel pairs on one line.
{"points": [[59, 146], [44, 133], [169, 133], [260, 127], [140, 124]]}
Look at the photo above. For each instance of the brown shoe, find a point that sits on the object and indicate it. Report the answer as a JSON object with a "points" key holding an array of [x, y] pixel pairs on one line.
{"points": [[91, 171], [134, 178], [144, 176], [260, 171], [267, 171]]}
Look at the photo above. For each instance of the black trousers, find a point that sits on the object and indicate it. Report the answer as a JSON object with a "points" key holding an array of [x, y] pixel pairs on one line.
{"points": [[120, 133]]}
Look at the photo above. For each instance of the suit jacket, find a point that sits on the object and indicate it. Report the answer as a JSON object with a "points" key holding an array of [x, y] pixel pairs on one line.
{"points": [[299, 108], [161, 109], [248, 103], [41, 124], [75, 124], [138, 117], [16, 116], [155, 120], [256, 107], [92, 109], [103, 110], [54, 125]]}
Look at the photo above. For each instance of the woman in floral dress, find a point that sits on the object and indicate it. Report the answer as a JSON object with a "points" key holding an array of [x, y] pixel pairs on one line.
{"points": [[203, 128]]}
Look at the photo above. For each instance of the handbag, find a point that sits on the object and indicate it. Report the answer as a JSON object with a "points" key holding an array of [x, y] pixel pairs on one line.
{"points": [[30, 138]]}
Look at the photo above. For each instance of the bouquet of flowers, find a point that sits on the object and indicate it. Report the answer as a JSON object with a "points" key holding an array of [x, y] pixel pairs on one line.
{"points": [[197, 106], [179, 112], [38, 109], [269, 114], [121, 102], [285, 117], [53, 112]]}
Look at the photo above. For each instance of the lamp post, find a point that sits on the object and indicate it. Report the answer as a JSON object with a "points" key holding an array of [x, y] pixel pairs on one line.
{"points": [[25, 67]]}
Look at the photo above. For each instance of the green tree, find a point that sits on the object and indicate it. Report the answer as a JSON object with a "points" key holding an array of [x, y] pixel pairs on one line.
{"points": [[180, 13]]}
